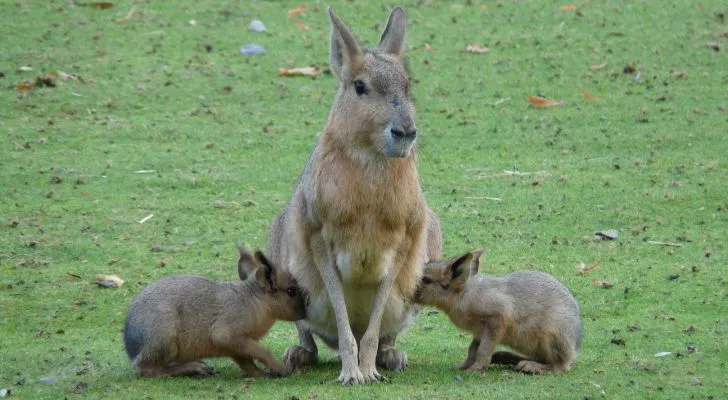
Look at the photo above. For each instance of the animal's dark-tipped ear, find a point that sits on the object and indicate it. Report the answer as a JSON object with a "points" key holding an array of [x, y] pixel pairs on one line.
{"points": [[457, 271], [392, 40], [475, 265], [246, 263], [266, 273], [345, 52]]}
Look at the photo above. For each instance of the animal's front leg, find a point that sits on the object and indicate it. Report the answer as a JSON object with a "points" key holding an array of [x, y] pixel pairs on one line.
{"points": [[350, 372], [370, 340]]}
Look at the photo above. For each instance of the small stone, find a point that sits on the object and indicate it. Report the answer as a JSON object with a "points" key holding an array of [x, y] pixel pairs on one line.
{"points": [[252, 49], [609, 234], [256, 26]]}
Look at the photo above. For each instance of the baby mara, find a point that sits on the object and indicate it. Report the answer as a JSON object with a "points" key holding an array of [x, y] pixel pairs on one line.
{"points": [[531, 312], [175, 322]]}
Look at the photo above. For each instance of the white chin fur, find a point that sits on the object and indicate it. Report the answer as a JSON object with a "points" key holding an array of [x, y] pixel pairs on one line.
{"points": [[395, 147]]}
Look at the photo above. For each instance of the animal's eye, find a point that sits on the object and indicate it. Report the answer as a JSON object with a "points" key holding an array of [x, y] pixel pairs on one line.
{"points": [[360, 88], [291, 291], [426, 280]]}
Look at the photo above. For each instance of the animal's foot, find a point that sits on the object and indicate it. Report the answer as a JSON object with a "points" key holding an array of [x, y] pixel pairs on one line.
{"points": [[205, 370], [297, 357], [476, 367], [391, 358], [532, 367], [370, 373], [351, 375], [464, 366]]}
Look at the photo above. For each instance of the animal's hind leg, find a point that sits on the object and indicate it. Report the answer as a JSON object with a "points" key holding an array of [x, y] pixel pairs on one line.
{"points": [[194, 368], [506, 358], [472, 354], [555, 355], [304, 355], [389, 357], [248, 365]]}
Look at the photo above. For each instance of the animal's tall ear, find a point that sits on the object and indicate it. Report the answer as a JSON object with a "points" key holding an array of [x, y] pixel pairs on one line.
{"points": [[458, 270], [392, 40], [475, 265], [266, 273], [345, 53], [246, 263]]}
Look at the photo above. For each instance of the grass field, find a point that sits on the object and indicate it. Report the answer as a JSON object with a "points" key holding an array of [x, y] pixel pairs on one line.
{"points": [[156, 113]]}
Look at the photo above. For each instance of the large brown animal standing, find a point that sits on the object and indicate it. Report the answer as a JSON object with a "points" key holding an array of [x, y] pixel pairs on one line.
{"points": [[175, 322], [529, 311], [357, 231]]}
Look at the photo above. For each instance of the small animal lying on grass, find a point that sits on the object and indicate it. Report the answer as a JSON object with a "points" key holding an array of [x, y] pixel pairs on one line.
{"points": [[529, 311], [175, 322]]}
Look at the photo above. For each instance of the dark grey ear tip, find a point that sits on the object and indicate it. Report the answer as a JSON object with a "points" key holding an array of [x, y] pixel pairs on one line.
{"points": [[398, 10]]}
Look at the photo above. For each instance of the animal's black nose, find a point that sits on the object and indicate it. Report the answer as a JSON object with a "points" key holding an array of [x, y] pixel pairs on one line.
{"points": [[400, 133]]}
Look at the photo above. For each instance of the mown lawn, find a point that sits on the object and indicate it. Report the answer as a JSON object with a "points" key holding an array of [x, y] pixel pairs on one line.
{"points": [[154, 112]]}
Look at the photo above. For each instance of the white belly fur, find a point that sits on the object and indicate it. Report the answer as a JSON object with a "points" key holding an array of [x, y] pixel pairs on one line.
{"points": [[398, 314], [360, 273]]}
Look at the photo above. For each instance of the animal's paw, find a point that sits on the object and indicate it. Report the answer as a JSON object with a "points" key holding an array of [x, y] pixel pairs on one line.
{"points": [[351, 375], [392, 359], [464, 366], [531, 367], [476, 367], [370, 373], [297, 357], [199, 368]]}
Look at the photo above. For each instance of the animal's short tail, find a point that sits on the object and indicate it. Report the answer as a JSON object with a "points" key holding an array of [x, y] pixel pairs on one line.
{"points": [[133, 338]]}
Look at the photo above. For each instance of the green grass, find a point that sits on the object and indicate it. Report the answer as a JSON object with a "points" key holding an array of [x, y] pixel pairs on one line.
{"points": [[226, 138]]}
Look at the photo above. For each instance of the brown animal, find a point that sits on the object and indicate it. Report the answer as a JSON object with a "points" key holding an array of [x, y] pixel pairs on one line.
{"points": [[529, 311], [176, 321], [357, 230]]}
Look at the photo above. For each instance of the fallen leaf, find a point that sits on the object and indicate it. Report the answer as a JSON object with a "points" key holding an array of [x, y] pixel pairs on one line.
{"points": [[663, 354], [633, 327], [713, 45], [617, 341], [296, 11], [690, 329], [65, 76], [25, 68], [45, 81], [79, 388], [302, 26], [129, 16], [429, 48], [679, 74], [588, 96], [602, 284], [598, 67], [304, 71], [542, 102], [192, 22], [101, 5], [474, 48], [585, 269], [109, 281], [25, 86], [567, 8]]}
